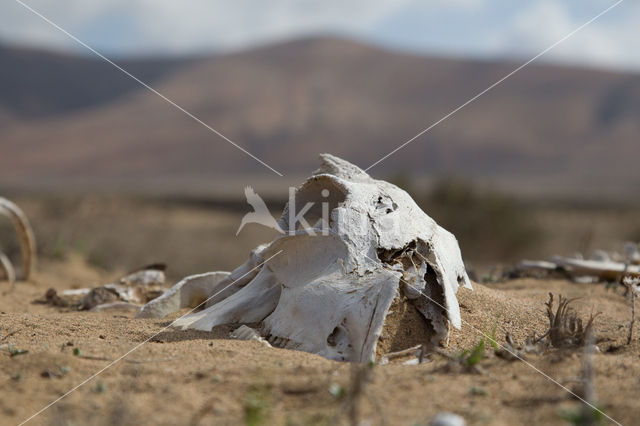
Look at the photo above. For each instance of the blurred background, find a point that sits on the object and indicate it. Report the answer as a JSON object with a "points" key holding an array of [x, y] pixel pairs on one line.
{"points": [[546, 163]]}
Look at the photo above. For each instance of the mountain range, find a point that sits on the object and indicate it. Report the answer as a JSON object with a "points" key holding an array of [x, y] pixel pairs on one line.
{"points": [[76, 120]]}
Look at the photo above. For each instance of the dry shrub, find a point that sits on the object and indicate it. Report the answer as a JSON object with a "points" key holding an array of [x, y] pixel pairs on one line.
{"points": [[566, 328], [490, 225]]}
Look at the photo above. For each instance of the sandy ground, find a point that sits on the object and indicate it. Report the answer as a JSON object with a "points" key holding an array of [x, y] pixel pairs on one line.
{"points": [[187, 377]]}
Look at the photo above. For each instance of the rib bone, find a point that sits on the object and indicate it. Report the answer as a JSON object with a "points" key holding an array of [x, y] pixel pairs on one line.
{"points": [[25, 235], [6, 268]]}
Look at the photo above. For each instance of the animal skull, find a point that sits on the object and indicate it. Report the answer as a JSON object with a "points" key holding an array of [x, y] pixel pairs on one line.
{"points": [[328, 290]]}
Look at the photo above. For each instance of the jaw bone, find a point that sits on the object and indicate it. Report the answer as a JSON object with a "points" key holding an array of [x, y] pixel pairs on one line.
{"points": [[330, 292]]}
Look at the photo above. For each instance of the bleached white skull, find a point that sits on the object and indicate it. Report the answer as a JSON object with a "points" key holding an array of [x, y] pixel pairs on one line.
{"points": [[328, 289]]}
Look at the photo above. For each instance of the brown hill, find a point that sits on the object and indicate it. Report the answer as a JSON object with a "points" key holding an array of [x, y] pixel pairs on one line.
{"points": [[36, 84], [546, 126]]}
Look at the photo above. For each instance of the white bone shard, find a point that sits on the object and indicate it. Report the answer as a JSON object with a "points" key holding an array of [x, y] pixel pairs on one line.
{"points": [[329, 292], [247, 333], [605, 270]]}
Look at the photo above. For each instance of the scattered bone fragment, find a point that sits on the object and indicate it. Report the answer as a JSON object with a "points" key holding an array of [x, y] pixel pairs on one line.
{"points": [[632, 252], [335, 272], [601, 266], [604, 270], [413, 351], [447, 419], [149, 276], [537, 264], [511, 351], [115, 306], [203, 289], [247, 333], [52, 298], [26, 237], [600, 256], [97, 296], [75, 292], [585, 279], [134, 289]]}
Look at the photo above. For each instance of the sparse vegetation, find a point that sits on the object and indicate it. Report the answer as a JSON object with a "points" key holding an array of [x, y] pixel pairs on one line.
{"points": [[512, 351], [230, 401], [470, 358], [579, 417], [488, 224], [632, 287], [361, 376], [493, 339], [589, 412], [337, 391], [566, 328], [13, 351], [63, 223], [257, 406], [477, 391], [99, 387]]}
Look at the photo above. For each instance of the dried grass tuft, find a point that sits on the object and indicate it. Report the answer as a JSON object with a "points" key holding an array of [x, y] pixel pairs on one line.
{"points": [[566, 328]]}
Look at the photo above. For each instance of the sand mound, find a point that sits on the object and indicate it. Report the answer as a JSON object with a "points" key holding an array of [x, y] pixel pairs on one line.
{"points": [[188, 377], [485, 309]]}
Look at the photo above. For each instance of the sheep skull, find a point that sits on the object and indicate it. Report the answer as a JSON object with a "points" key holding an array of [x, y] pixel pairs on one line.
{"points": [[327, 289]]}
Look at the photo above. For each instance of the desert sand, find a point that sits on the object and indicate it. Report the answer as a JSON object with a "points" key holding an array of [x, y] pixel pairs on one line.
{"points": [[152, 373]]}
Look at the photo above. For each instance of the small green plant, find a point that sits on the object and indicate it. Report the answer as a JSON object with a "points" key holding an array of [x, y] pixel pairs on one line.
{"points": [[77, 352], [13, 351], [493, 339], [256, 407], [337, 391], [472, 357], [489, 278], [477, 391], [99, 387], [583, 415], [58, 248], [315, 419]]}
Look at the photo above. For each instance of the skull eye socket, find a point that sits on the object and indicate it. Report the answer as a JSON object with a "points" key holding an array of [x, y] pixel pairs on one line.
{"points": [[317, 198]]}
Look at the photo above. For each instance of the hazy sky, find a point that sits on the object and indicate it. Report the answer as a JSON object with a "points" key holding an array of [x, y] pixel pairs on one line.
{"points": [[478, 28]]}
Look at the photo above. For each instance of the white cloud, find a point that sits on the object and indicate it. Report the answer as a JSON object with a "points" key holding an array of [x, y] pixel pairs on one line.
{"points": [[469, 27], [605, 42], [222, 24], [190, 25]]}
